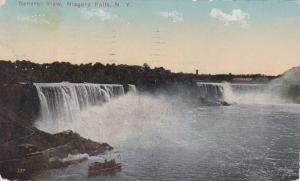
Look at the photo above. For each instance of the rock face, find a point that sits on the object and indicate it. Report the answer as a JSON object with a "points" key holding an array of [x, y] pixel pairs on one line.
{"points": [[20, 102], [25, 151], [32, 155]]}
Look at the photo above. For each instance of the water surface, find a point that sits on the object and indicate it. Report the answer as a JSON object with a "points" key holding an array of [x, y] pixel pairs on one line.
{"points": [[158, 139]]}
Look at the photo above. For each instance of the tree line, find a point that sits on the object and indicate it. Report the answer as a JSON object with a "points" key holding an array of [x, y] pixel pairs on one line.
{"points": [[143, 76]]}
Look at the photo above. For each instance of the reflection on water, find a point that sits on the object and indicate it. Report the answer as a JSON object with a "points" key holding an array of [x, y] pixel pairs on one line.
{"points": [[161, 140]]}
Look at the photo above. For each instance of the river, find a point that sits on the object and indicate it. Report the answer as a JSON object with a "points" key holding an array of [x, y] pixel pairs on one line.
{"points": [[161, 138]]}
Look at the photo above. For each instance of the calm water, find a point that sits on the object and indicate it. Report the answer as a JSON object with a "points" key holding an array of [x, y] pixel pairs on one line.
{"points": [[155, 139]]}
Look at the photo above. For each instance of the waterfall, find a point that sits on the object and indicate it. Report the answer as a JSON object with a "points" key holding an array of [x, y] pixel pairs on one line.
{"points": [[62, 103], [211, 92], [239, 93], [132, 88]]}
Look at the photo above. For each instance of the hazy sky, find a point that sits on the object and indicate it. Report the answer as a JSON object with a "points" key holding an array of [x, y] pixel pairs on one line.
{"points": [[214, 36]]}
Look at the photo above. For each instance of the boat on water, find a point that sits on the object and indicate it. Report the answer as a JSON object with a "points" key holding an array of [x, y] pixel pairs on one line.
{"points": [[107, 167]]}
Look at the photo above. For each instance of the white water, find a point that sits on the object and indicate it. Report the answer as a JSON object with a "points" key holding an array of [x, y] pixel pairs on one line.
{"points": [[132, 88], [278, 91], [76, 157], [159, 138], [242, 93], [62, 103], [273, 93]]}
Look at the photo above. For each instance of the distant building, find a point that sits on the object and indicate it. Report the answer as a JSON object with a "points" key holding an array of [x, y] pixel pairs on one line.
{"points": [[197, 72]]}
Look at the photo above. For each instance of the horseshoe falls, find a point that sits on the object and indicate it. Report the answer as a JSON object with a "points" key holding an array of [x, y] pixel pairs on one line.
{"points": [[234, 93]]}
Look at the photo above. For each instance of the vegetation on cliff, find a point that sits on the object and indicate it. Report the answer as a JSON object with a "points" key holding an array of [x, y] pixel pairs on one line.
{"points": [[144, 77]]}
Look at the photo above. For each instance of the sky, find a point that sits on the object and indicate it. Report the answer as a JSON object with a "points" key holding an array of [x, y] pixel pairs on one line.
{"points": [[213, 36]]}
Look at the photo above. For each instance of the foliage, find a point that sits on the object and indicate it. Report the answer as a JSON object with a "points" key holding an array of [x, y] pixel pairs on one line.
{"points": [[144, 76]]}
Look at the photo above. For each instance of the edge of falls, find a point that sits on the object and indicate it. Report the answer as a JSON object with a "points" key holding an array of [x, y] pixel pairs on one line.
{"points": [[243, 93], [62, 103]]}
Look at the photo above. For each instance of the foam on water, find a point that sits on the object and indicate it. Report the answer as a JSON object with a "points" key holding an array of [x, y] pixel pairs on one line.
{"points": [[75, 157]]}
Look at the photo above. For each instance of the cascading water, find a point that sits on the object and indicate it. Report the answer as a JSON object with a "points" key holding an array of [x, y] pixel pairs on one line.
{"points": [[62, 103], [160, 137], [132, 88], [251, 94], [211, 91], [240, 93], [285, 89]]}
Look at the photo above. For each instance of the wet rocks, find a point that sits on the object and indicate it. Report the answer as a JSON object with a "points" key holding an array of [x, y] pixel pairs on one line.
{"points": [[25, 151], [27, 148], [39, 152]]}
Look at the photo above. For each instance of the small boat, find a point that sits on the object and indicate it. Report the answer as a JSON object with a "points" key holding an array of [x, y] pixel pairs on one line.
{"points": [[105, 168]]}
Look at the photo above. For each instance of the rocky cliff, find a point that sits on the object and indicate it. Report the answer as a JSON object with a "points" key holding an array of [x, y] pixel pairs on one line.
{"points": [[25, 151]]}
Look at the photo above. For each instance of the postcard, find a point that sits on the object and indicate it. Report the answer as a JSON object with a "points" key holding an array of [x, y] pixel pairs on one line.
{"points": [[150, 90]]}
